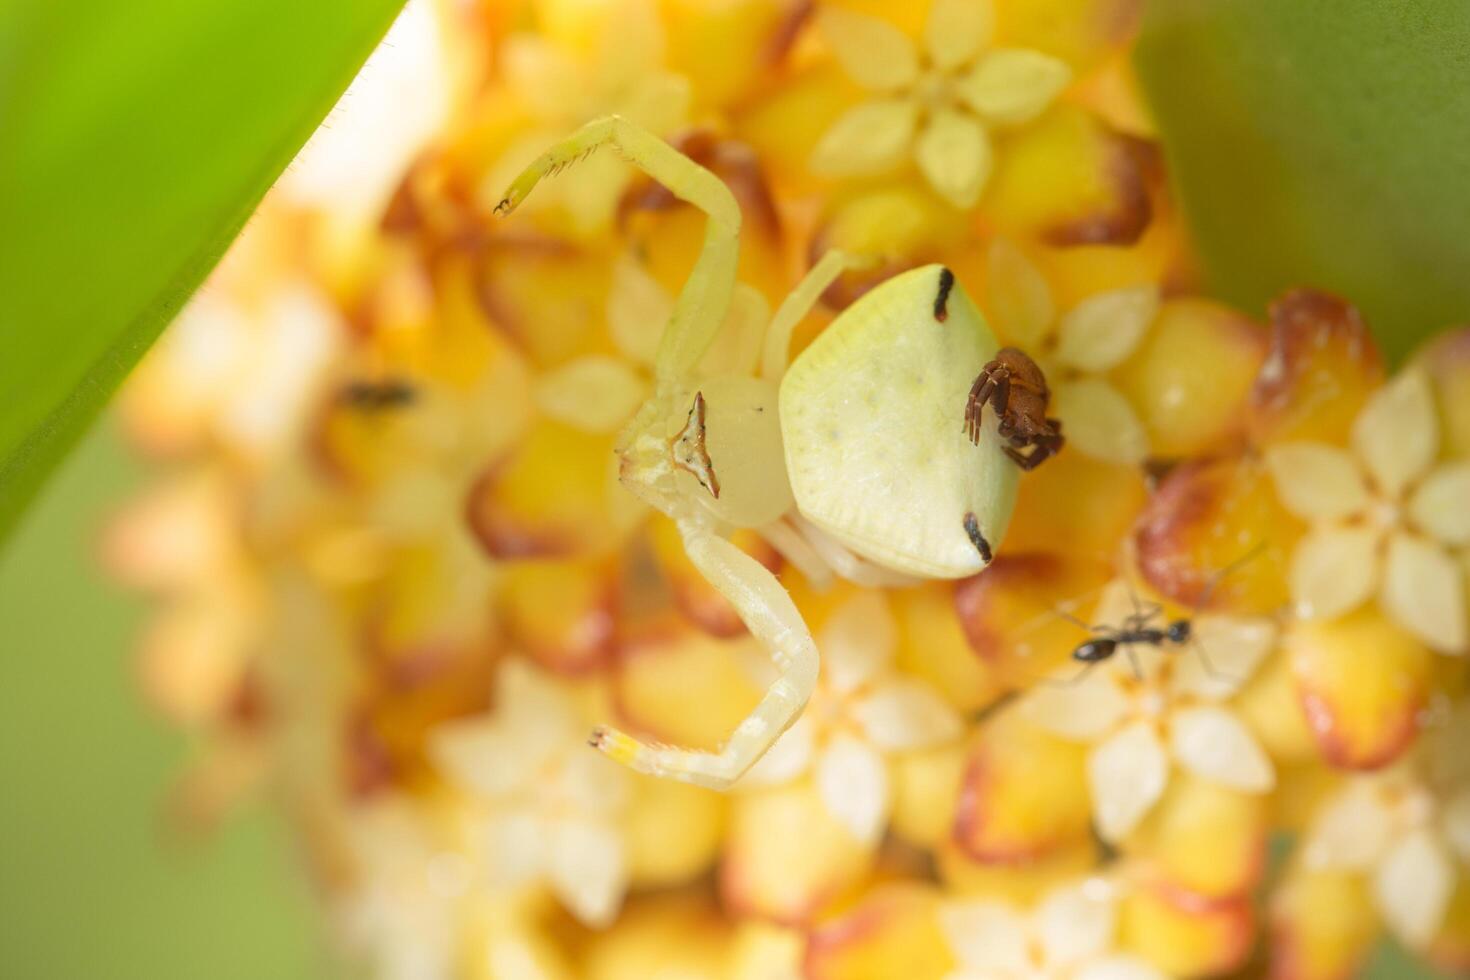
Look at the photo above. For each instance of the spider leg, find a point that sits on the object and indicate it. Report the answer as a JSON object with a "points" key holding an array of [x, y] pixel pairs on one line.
{"points": [[797, 304], [703, 303], [993, 385], [773, 619]]}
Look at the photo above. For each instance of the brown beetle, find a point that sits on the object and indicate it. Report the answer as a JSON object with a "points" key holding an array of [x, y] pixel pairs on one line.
{"points": [[1015, 387]]}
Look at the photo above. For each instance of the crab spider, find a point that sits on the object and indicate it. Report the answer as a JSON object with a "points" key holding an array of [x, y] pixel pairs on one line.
{"points": [[853, 459]]}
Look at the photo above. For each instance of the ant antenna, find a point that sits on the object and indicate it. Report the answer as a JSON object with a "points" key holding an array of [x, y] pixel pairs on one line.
{"points": [[1222, 573], [1204, 599]]}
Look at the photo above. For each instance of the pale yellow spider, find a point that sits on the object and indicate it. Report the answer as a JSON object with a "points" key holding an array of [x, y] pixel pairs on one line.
{"points": [[852, 460]]}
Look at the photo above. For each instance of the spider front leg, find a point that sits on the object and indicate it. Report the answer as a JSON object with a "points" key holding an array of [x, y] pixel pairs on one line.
{"points": [[1043, 448], [772, 618], [993, 384], [705, 298], [798, 303]]}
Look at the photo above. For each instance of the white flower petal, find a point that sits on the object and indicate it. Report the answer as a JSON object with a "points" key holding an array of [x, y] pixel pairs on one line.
{"points": [[853, 781], [1397, 433], [1413, 887], [483, 759], [1317, 482], [857, 642], [638, 309], [1424, 592], [789, 757], [954, 155], [986, 936], [590, 783], [1010, 86], [867, 139], [1333, 570], [587, 869], [596, 393], [1212, 743], [1119, 967], [1075, 924], [659, 102], [956, 31], [1082, 710], [1353, 830], [874, 53], [1222, 654], [907, 714], [1441, 505], [1098, 421], [1127, 775], [1100, 332], [513, 848], [1457, 824], [1018, 298]]}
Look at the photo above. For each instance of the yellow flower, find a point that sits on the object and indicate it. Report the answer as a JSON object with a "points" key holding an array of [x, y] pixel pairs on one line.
{"points": [[552, 806], [1407, 828], [863, 711], [1169, 710], [562, 85], [936, 102], [1071, 934], [1384, 517]]}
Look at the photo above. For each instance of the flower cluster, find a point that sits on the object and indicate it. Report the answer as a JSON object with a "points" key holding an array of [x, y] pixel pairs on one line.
{"points": [[399, 582]]}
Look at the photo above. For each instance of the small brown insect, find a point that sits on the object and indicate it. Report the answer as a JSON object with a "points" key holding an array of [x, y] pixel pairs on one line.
{"points": [[1015, 387]]}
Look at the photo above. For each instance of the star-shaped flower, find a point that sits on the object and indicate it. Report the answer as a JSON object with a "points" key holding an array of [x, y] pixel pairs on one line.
{"points": [[1411, 840], [1076, 350], [862, 711], [1070, 935], [567, 75], [1385, 517], [551, 806], [936, 101], [1169, 712]]}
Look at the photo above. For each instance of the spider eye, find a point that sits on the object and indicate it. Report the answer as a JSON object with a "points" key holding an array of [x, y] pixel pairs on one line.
{"points": [[740, 450]]}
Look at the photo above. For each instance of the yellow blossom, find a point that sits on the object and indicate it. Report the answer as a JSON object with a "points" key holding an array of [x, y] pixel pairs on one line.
{"points": [[1386, 518], [934, 102]]}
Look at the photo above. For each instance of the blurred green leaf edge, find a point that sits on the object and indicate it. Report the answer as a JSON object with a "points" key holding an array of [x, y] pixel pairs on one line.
{"points": [[136, 138], [1321, 143]]}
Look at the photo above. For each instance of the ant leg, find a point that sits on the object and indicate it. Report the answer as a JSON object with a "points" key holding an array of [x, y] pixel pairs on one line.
{"points": [[1079, 623], [1133, 663], [1074, 680], [702, 305]]}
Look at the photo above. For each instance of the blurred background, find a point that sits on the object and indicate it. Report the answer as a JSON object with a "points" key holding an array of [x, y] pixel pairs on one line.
{"points": [[94, 880]]}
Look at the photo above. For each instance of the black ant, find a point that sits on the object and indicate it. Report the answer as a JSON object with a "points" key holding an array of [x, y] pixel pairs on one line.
{"points": [[1138, 628]]}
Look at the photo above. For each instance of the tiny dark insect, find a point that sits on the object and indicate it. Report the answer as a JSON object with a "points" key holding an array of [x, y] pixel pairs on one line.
{"points": [[1142, 627], [377, 395], [1015, 387]]}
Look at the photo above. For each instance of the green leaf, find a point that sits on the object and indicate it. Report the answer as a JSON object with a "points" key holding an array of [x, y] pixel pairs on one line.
{"points": [[136, 136], [1322, 143]]}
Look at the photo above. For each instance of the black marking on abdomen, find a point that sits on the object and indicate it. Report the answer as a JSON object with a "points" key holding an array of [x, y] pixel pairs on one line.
{"points": [[972, 528], [941, 301]]}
